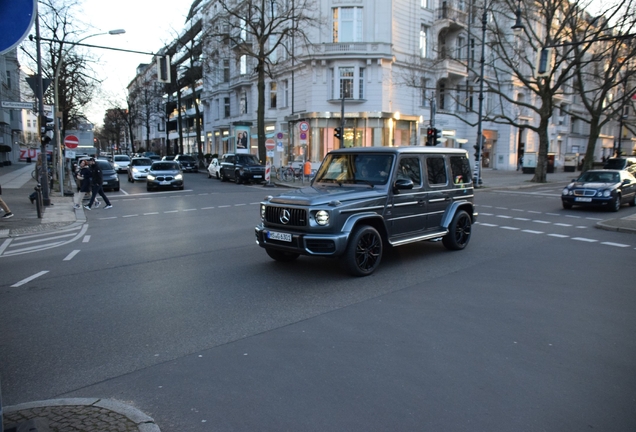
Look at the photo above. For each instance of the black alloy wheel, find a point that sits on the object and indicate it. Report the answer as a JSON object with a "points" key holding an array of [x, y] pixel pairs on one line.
{"points": [[459, 231], [364, 251], [615, 204]]}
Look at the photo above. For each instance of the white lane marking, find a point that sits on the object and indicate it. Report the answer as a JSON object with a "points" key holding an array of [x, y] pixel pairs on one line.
{"points": [[615, 244], [534, 211], [207, 208], [238, 205], [485, 206], [532, 231], [573, 216], [487, 224], [129, 216], [523, 219], [172, 211], [541, 221], [517, 210], [553, 214], [563, 224], [86, 239], [510, 228], [29, 279], [559, 235], [106, 218], [224, 206], [151, 213], [501, 208], [4, 245], [504, 217], [486, 214], [583, 239], [46, 246], [71, 255], [20, 243]]}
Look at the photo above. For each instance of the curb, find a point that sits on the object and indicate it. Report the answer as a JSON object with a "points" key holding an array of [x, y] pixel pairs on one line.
{"points": [[143, 422]]}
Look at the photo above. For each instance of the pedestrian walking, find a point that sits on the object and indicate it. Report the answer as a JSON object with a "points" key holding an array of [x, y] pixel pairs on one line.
{"points": [[7, 211], [84, 182], [97, 181]]}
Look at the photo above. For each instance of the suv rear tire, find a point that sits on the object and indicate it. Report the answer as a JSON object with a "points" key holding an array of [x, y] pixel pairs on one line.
{"points": [[459, 231], [364, 251]]}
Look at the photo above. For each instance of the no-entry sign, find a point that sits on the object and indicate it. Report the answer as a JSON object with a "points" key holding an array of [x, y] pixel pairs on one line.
{"points": [[270, 144], [71, 141]]}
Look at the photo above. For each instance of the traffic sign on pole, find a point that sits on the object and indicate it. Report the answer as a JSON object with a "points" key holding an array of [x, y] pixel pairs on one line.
{"points": [[16, 19], [270, 144], [71, 141]]}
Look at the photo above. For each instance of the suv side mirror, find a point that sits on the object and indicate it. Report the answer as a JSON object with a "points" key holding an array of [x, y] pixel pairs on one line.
{"points": [[403, 184]]}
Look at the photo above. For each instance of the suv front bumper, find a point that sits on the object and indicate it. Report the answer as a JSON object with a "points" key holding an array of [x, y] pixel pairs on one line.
{"points": [[302, 243]]}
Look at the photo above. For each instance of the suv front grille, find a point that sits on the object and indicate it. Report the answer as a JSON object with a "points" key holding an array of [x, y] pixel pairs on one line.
{"points": [[277, 215]]}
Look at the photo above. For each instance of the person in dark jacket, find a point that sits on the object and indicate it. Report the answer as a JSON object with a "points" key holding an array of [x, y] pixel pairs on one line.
{"points": [[97, 181], [83, 177]]}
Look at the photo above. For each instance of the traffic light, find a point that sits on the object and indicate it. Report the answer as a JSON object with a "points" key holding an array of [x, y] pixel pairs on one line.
{"points": [[337, 132], [429, 137], [545, 62], [435, 136], [46, 131], [163, 69]]}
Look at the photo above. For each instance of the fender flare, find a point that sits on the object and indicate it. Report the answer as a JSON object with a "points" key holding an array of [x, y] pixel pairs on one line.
{"points": [[449, 214]]}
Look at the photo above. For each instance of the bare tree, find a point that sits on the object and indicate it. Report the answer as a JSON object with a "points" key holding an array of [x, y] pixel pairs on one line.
{"points": [[605, 82], [256, 29], [146, 96]]}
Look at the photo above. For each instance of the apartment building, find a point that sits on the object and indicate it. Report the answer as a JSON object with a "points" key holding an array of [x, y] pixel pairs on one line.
{"points": [[393, 67]]}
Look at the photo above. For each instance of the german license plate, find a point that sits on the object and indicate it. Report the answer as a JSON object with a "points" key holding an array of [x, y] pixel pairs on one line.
{"points": [[257, 176], [581, 199], [164, 183], [273, 235], [105, 183]]}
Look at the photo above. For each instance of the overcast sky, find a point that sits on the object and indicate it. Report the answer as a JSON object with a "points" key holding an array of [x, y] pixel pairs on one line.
{"points": [[149, 25]]}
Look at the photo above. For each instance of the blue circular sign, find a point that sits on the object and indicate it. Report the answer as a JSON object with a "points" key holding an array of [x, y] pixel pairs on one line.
{"points": [[16, 19]]}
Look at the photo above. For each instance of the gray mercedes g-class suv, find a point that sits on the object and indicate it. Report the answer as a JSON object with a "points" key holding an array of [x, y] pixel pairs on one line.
{"points": [[363, 200]]}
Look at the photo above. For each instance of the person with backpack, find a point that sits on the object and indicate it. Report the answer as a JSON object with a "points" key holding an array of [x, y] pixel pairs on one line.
{"points": [[97, 181]]}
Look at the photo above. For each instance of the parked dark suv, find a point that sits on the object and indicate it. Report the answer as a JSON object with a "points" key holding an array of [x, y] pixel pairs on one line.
{"points": [[188, 163], [242, 168], [363, 200]]}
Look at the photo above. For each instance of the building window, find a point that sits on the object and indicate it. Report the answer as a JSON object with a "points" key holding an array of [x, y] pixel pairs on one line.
{"points": [[424, 4], [347, 82], [442, 96], [243, 65], [272, 94], [459, 48], [423, 41], [28, 123], [243, 102], [226, 71], [285, 93], [226, 104], [347, 24], [423, 92], [9, 79]]}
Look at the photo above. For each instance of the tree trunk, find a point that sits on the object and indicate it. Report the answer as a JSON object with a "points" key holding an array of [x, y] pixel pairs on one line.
{"points": [[260, 116], [595, 131], [542, 158]]}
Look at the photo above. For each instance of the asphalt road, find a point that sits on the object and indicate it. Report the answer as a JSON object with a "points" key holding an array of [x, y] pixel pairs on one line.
{"points": [[167, 303]]}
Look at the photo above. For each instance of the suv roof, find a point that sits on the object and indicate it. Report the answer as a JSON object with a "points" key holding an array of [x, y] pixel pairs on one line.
{"points": [[398, 150]]}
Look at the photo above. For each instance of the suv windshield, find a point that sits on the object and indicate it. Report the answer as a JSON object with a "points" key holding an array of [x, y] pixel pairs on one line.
{"points": [[365, 168], [186, 158], [164, 166], [247, 160]]}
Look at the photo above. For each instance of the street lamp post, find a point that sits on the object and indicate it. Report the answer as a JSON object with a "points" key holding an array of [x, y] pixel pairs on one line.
{"points": [[480, 144], [56, 99]]}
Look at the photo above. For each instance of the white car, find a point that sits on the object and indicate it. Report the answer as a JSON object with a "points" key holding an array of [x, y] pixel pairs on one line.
{"points": [[214, 169], [121, 162], [138, 168]]}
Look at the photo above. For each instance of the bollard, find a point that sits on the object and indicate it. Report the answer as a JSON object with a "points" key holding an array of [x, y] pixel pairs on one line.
{"points": [[38, 200]]}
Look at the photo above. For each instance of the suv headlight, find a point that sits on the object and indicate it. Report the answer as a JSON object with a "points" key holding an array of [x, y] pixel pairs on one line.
{"points": [[605, 193], [322, 217], [263, 211]]}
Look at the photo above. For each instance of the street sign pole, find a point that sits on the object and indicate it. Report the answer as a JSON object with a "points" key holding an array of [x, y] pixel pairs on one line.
{"points": [[46, 200]]}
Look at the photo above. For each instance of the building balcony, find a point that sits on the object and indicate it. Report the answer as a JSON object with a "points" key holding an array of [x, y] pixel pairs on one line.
{"points": [[450, 16], [451, 68], [350, 49]]}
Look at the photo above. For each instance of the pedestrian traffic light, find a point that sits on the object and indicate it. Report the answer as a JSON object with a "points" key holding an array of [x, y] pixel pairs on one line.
{"points": [[337, 132]]}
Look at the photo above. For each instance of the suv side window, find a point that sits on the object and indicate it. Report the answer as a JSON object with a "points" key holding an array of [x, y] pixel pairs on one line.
{"points": [[436, 170], [230, 159], [460, 170], [409, 168]]}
